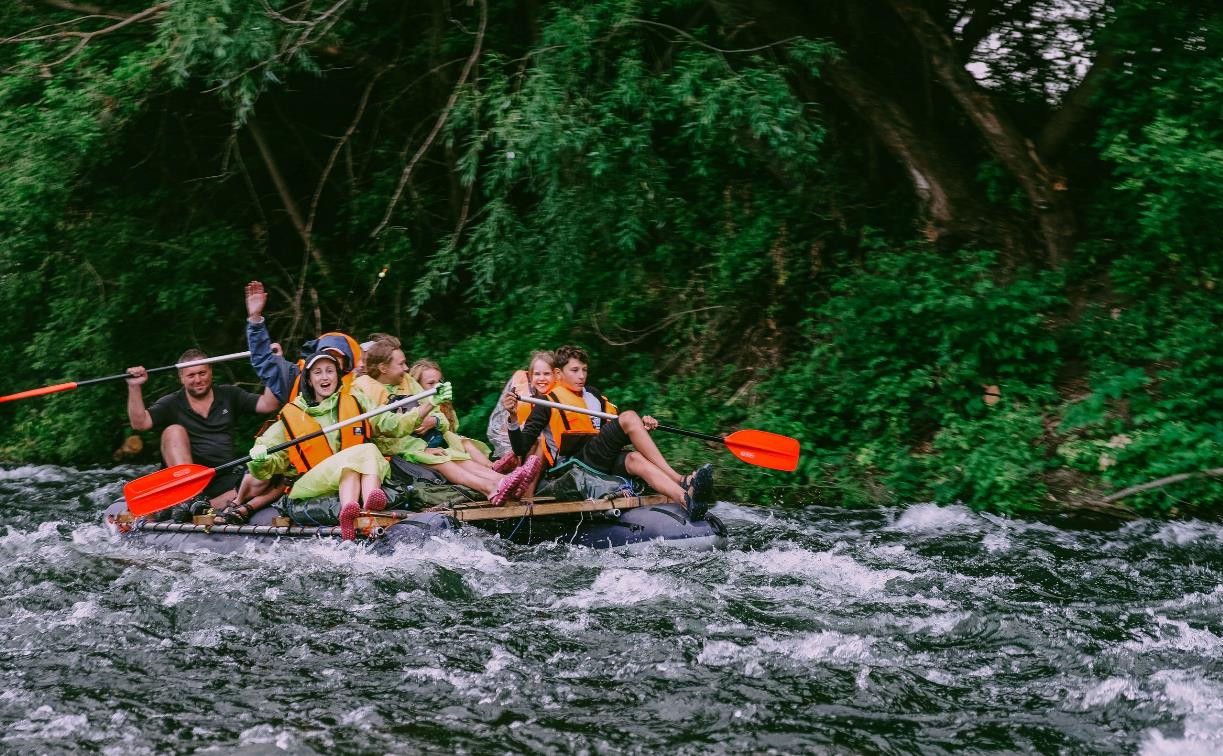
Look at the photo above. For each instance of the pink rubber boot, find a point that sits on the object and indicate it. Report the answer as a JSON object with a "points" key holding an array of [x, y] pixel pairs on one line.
{"points": [[348, 515]]}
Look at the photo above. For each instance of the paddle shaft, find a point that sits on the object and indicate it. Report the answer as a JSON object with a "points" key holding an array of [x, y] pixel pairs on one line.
{"points": [[609, 416], [76, 384]]}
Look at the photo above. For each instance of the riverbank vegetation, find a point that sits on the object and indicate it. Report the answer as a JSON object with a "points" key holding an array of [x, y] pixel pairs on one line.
{"points": [[964, 250]]}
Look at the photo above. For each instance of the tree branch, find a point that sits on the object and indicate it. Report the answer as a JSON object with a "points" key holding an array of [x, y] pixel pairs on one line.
{"points": [[92, 10], [1077, 104], [286, 198], [1045, 192], [335, 152], [86, 37], [1213, 473], [441, 121]]}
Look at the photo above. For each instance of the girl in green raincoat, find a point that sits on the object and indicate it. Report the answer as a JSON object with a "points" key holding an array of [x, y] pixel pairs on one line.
{"points": [[353, 470]]}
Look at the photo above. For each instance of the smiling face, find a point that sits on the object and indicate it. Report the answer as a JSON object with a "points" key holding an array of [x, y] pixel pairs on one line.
{"points": [[392, 371], [324, 378], [573, 375], [541, 375], [196, 380], [430, 378]]}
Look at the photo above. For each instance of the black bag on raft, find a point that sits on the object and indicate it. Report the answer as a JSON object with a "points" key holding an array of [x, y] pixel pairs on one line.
{"points": [[325, 510], [420, 487], [573, 481]]}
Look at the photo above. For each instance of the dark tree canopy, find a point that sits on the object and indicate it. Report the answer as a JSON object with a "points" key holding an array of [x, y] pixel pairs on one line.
{"points": [[963, 249]]}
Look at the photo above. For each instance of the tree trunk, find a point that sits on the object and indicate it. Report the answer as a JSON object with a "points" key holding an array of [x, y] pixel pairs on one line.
{"points": [[1046, 192]]}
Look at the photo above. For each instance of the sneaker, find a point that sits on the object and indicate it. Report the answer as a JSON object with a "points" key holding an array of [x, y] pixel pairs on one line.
{"points": [[697, 509], [376, 500], [506, 464], [348, 515]]}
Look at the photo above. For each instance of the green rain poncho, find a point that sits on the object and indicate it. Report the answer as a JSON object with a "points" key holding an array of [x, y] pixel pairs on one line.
{"points": [[324, 478], [411, 448]]}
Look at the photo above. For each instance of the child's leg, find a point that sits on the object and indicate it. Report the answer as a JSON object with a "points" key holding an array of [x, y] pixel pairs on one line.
{"points": [[637, 464], [630, 423], [454, 473], [369, 482], [476, 455], [480, 471], [350, 486]]}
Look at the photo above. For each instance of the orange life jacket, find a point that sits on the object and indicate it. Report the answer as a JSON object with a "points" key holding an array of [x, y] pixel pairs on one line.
{"points": [[297, 423], [564, 427], [345, 380]]}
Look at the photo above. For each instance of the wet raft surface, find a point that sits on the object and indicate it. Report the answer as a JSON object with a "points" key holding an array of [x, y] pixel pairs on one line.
{"points": [[921, 630]]}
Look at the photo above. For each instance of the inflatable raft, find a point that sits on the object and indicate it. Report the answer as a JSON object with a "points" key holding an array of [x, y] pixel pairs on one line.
{"points": [[611, 516]]}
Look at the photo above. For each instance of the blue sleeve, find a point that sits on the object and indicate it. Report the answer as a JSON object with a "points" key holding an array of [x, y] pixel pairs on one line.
{"points": [[274, 371]]}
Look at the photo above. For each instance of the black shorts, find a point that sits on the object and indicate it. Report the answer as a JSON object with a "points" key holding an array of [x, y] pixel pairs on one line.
{"points": [[605, 452], [226, 480]]}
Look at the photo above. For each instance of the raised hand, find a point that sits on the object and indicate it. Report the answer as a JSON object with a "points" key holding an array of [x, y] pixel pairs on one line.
{"points": [[136, 375], [256, 299]]}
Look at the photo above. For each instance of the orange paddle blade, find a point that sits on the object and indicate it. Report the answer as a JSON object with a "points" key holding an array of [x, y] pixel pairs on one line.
{"points": [[764, 449], [39, 391], [165, 488]]}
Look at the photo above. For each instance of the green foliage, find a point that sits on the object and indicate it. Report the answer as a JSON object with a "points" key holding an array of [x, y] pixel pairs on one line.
{"points": [[725, 234]]}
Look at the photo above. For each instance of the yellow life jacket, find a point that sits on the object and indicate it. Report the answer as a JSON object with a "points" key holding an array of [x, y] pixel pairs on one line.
{"points": [[297, 423], [569, 430]]}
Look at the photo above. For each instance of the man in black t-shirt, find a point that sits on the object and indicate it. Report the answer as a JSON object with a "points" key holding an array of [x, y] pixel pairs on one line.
{"points": [[196, 421]]}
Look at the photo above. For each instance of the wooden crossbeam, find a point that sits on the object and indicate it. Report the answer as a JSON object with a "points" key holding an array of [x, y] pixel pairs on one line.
{"points": [[541, 508]]}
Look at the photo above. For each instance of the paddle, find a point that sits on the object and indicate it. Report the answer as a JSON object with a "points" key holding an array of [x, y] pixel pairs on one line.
{"points": [[73, 384], [168, 487], [754, 447]]}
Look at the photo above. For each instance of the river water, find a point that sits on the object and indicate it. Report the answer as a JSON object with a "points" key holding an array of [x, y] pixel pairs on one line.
{"points": [[927, 629]]}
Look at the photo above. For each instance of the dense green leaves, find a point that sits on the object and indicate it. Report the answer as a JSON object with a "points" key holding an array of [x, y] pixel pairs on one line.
{"points": [[740, 238]]}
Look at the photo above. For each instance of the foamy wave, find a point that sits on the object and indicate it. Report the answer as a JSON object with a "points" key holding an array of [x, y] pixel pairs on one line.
{"points": [[44, 723], [623, 588], [38, 474], [836, 572], [1185, 638], [927, 517], [1191, 531], [1200, 701], [1106, 691], [827, 644]]}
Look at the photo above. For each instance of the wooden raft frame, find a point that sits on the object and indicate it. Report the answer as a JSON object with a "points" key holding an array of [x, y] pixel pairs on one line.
{"points": [[482, 510]]}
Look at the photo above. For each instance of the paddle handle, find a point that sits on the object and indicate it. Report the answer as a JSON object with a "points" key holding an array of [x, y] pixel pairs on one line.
{"points": [[607, 416], [74, 384], [334, 426], [175, 366]]}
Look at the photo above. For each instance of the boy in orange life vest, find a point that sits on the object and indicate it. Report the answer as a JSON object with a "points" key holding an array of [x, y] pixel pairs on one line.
{"points": [[600, 443]]}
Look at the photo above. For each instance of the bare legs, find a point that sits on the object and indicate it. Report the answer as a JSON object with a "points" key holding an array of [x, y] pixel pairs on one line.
{"points": [[647, 461], [477, 456], [175, 446], [355, 486], [471, 474], [630, 423]]}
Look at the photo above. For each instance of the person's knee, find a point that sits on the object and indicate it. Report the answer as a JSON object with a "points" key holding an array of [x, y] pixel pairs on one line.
{"points": [[630, 421], [175, 434], [633, 461]]}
